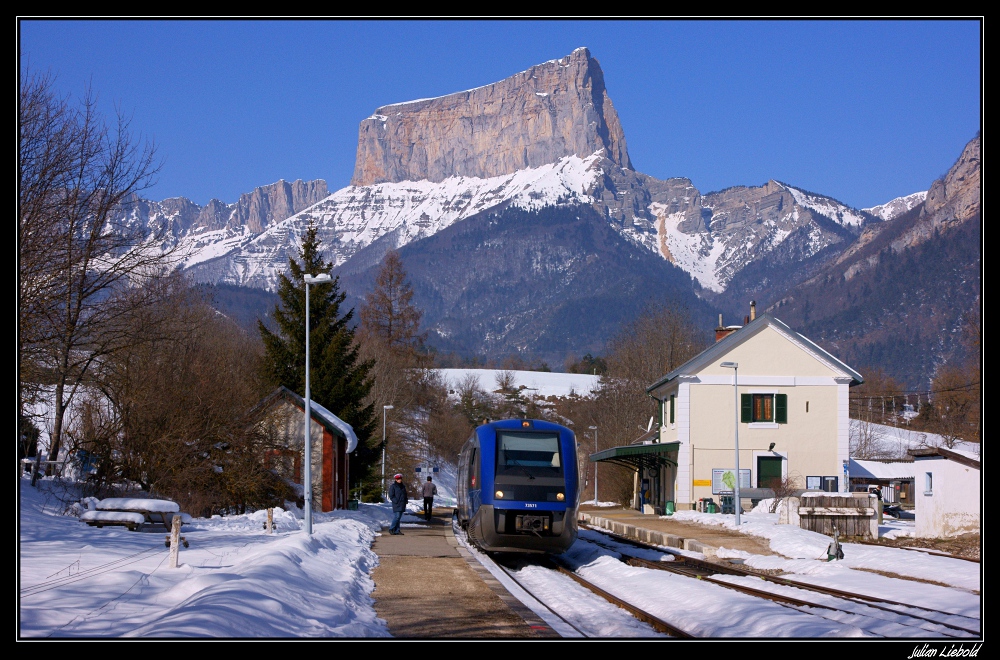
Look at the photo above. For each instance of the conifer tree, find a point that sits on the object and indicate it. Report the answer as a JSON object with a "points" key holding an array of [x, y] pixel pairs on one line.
{"points": [[338, 379], [388, 312]]}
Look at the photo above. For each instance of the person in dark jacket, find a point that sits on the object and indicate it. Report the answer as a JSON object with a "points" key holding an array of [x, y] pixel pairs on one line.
{"points": [[399, 498], [429, 491]]}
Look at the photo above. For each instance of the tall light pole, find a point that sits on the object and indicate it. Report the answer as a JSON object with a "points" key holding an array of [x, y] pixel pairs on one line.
{"points": [[594, 429], [736, 405], [384, 408], [307, 445]]}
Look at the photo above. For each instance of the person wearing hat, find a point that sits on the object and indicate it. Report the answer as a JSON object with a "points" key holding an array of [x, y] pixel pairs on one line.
{"points": [[429, 491], [399, 498]]}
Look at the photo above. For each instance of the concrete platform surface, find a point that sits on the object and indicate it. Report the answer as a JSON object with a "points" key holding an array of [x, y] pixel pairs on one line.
{"points": [[662, 530]]}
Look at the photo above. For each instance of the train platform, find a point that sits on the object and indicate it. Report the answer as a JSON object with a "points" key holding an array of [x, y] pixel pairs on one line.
{"points": [[662, 530], [429, 586]]}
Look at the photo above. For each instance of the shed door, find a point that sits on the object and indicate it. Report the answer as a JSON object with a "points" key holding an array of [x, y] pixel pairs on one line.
{"points": [[768, 471]]}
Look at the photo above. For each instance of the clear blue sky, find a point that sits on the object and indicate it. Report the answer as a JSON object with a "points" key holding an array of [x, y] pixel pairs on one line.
{"points": [[861, 110]]}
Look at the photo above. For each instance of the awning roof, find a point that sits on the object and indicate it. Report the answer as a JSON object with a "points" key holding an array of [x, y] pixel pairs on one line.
{"points": [[638, 456]]}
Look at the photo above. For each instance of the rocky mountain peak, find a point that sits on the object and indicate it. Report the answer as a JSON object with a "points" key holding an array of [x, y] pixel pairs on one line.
{"points": [[555, 109], [957, 194]]}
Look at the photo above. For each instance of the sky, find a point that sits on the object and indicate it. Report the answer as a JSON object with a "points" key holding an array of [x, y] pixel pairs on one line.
{"points": [[234, 580], [861, 110]]}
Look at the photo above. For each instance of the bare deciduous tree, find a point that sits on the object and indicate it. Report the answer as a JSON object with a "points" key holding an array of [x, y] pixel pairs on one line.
{"points": [[388, 311], [655, 343], [82, 262], [179, 419], [783, 488]]}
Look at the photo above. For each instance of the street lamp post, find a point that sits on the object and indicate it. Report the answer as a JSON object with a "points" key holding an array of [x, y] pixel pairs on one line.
{"points": [[307, 445], [384, 409], [594, 429], [736, 404]]}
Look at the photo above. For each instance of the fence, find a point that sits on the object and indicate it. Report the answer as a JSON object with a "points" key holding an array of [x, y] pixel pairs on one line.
{"points": [[853, 514]]}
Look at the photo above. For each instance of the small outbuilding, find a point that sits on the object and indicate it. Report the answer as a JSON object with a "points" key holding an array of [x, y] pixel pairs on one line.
{"points": [[894, 479], [948, 492], [332, 439]]}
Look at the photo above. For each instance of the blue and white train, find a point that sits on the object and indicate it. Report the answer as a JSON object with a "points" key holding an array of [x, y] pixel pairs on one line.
{"points": [[518, 487]]}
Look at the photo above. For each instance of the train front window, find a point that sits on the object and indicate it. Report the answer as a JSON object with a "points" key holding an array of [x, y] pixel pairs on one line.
{"points": [[528, 454]]}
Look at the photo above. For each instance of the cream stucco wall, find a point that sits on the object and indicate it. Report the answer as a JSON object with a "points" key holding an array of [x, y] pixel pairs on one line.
{"points": [[952, 507]]}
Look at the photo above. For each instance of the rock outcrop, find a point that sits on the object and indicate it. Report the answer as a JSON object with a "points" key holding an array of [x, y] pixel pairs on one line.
{"points": [[555, 109], [274, 203]]}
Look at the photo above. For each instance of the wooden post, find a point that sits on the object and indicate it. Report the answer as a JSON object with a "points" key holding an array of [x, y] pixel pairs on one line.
{"points": [[175, 540], [270, 521]]}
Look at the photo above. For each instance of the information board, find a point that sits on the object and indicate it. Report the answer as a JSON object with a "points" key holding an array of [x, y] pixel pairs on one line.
{"points": [[724, 480]]}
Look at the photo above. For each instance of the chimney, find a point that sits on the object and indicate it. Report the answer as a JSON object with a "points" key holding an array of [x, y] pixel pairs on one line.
{"points": [[753, 309], [721, 331]]}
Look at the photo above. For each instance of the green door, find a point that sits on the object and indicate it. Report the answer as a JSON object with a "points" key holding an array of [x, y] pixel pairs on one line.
{"points": [[768, 471]]}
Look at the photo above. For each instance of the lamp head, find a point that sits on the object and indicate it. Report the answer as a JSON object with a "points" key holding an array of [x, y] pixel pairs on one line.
{"points": [[771, 448], [730, 365], [386, 407], [317, 279]]}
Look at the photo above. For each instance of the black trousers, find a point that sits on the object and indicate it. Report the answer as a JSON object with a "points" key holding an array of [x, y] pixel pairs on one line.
{"points": [[428, 505]]}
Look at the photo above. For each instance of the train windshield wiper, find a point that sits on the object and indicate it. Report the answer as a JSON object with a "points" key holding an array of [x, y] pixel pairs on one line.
{"points": [[523, 469]]}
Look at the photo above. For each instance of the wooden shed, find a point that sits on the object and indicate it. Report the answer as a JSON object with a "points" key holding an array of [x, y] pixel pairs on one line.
{"points": [[332, 439]]}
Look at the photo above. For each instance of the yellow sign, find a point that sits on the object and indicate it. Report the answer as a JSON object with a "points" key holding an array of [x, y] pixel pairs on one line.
{"points": [[702, 482]]}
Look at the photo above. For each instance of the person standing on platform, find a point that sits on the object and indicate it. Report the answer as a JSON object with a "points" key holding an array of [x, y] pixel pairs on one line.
{"points": [[429, 490], [399, 498]]}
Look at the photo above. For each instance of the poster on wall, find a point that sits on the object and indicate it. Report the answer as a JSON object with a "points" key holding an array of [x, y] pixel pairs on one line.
{"points": [[724, 480]]}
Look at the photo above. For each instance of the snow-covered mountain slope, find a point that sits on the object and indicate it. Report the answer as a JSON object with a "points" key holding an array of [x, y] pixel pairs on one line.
{"points": [[719, 234], [356, 216], [898, 206]]}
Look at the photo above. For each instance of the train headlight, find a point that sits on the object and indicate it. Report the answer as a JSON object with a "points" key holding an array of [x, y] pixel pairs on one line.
{"points": [[560, 497], [499, 494]]}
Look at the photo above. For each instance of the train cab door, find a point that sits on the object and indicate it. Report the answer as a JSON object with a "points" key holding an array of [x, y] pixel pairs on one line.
{"points": [[474, 485]]}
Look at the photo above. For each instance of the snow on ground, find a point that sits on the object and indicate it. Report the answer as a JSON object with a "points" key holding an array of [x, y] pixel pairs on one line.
{"points": [[237, 581], [540, 383]]}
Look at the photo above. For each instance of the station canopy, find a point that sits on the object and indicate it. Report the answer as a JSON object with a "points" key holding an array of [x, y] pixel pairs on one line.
{"points": [[651, 455]]}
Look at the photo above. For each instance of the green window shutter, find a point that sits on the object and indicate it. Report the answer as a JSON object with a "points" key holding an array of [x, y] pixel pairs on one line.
{"points": [[660, 411], [672, 408], [746, 408], [781, 408]]}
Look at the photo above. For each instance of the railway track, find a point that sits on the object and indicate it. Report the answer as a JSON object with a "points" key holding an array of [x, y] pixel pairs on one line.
{"points": [[551, 563], [509, 565], [933, 553], [876, 617], [702, 569]]}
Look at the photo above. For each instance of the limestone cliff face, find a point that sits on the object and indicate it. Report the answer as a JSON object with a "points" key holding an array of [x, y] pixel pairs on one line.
{"points": [[957, 195], [555, 109], [193, 228], [274, 203]]}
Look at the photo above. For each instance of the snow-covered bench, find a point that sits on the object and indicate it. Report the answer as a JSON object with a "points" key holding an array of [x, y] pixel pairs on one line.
{"points": [[135, 513]]}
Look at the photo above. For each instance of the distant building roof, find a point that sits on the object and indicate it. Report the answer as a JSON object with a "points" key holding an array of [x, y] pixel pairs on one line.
{"points": [[723, 346], [879, 470], [964, 457]]}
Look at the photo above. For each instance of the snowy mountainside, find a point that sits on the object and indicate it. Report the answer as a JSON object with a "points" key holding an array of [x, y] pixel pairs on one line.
{"points": [[356, 216], [898, 206], [719, 234]]}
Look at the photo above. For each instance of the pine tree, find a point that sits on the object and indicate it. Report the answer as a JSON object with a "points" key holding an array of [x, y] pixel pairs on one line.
{"points": [[338, 379]]}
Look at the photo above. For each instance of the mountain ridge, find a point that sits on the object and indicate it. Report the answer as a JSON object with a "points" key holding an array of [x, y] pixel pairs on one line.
{"points": [[514, 146]]}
